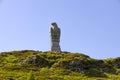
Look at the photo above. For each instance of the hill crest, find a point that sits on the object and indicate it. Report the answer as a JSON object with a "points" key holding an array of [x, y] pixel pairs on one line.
{"points": [[57, 64]]}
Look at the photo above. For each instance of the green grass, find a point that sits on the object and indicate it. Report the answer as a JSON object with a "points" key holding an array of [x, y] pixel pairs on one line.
{"points": [[56, 66]]}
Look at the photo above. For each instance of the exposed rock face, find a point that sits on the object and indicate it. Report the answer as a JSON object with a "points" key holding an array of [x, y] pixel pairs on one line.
{"points": [[55, 38], [85, 66], [75, 65], [36, 60]]}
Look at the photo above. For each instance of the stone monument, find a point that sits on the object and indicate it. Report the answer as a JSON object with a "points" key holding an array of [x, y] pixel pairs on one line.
{"points": [[55, 37]]}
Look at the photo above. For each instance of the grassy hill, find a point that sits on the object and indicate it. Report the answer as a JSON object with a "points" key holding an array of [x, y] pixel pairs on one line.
{"points": [[37, 65]]}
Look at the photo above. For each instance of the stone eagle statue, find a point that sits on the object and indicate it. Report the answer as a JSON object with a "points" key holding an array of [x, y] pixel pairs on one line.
{"points": [[55, 37]]}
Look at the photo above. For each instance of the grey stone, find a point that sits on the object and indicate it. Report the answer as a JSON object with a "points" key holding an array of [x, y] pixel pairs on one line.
{"points": [[36, 60], [55, 37]]}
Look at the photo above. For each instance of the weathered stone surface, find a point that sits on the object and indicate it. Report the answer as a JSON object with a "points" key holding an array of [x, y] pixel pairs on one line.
{"points": [[55, 38], [75, 65], [36, 60]]}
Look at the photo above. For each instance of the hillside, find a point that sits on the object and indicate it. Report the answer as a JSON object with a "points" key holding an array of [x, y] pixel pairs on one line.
{"points": [[38, 65]]}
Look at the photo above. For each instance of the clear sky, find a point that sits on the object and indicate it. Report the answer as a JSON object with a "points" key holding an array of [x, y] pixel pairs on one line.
{"points": [[91, 27]]}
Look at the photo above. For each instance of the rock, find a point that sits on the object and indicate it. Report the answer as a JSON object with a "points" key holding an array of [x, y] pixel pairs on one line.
{"points": [[75, 65], [36, 60]]}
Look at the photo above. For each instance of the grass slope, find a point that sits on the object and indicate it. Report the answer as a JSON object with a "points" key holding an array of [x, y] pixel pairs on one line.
{"points": [[37, 65]]}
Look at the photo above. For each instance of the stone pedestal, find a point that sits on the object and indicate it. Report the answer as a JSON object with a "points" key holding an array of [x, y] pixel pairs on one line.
{"points": [[55, 38]]}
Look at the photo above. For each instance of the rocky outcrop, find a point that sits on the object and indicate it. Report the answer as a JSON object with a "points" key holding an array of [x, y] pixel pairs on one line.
{"points": [[75, 65], [36, 60], [86, 66]]}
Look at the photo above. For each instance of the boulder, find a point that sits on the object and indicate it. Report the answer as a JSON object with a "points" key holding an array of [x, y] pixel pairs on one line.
{"points": [[37, 61]]}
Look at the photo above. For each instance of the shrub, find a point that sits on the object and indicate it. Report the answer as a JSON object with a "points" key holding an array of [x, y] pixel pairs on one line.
{"points": [[30, 76]]}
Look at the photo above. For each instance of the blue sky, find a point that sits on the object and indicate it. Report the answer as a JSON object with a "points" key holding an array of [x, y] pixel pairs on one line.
{"points": [[91, 27]]}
